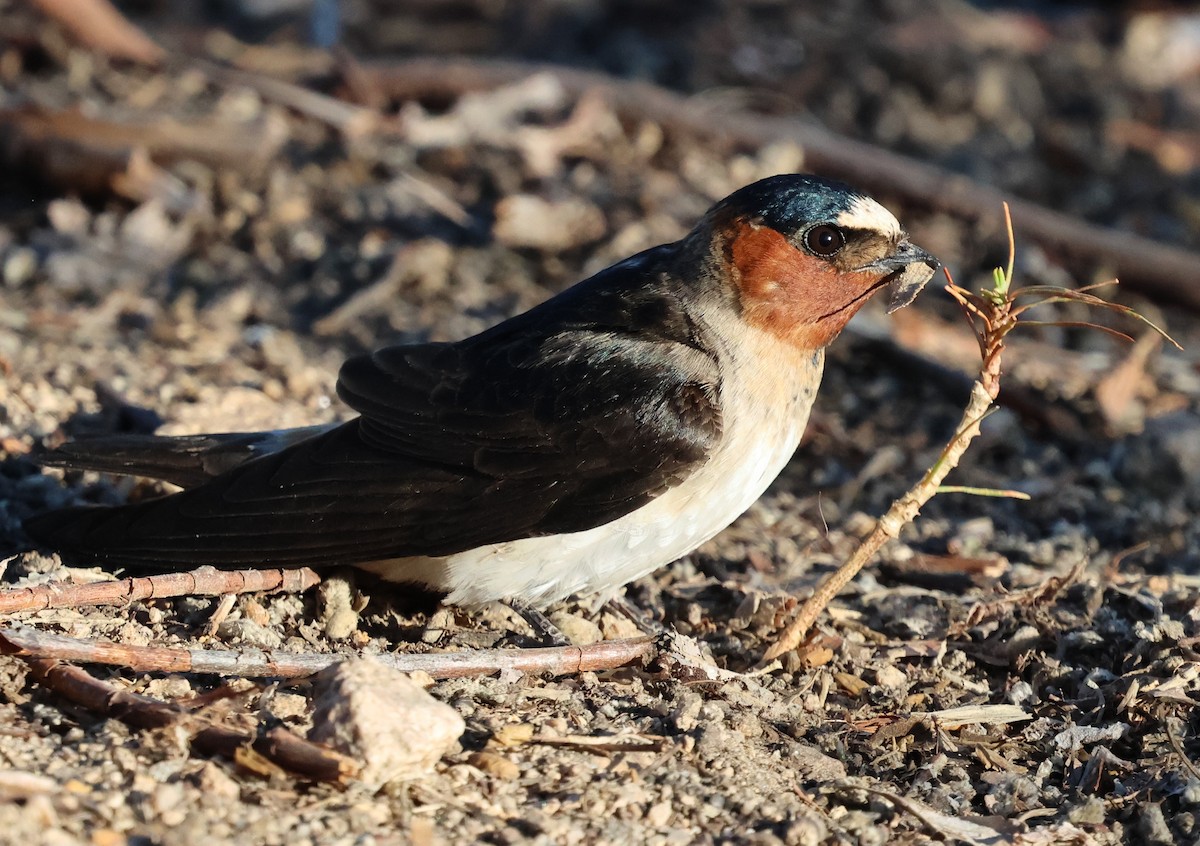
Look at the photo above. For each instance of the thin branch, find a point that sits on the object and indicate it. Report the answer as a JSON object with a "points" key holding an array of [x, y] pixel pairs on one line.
{"points": [[994, 310], [352, 120], [97, 24], [902, 512], [278, 745], [204, 581], [1177, 745], [26, 642], [1161, 270]]}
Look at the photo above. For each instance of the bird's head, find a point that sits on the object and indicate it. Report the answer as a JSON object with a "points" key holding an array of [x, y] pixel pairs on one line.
{"points": [[803, 254]]}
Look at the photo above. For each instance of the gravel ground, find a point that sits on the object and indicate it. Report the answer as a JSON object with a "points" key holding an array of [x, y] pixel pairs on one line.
{"points": [[220, 288]]}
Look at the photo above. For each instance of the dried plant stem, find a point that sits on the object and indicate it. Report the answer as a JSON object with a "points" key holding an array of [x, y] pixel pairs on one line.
{"points": [[26, 642], [906, 508], [354, 121], [99, 25], [278, 745], [204, 581]]}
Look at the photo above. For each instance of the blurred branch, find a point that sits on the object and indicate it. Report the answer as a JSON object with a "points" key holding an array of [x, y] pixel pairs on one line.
{"points": [[352, 120], [93, 154], [1153, 268], [98, 25]]}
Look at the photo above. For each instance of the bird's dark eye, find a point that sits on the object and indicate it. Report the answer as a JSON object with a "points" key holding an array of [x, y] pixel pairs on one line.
{"points": [[824, 240]]}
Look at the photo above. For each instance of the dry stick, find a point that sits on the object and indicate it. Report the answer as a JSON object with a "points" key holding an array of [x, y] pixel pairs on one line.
{"points": [[97, 24], [278, 745], [903, 510], [1179, 750], [993, 317], [26, 642], [1160, 270], [352, 120], [86, 151], [204, 581]]}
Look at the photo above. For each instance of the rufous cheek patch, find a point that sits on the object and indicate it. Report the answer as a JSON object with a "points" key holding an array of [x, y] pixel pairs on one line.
{"points": [[783, 290]]}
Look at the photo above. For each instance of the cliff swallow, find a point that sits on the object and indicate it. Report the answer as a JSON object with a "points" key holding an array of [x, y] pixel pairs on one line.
{"points": [[567, 450]]}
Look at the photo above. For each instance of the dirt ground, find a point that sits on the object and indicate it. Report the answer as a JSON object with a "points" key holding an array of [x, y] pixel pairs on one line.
{"points": [[184, 249]]}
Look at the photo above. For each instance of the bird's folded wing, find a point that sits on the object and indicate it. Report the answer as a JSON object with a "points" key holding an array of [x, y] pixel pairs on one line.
{"points": [[503, 436]]}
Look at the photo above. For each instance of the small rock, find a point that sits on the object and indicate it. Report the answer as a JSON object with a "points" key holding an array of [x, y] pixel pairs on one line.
{"points": [[1077, 737], [523, 220], [1152, 825], [19, 265], [659, 814], [285, 705], [685, 717], [1091, 812], [812, 764], [214, 782], [494, 764], [339, 613], [805, 830], [890, 677], [513, 735], [69, 217], [379, 716], [617, 626], [245, 632], [579, 630]]}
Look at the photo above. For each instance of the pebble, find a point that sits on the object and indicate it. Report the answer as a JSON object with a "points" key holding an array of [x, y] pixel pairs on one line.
{"points": [[890, 677], [494, 764], [19, 266], [658, 815], [379, 716], [578, 630], [524, 220]]}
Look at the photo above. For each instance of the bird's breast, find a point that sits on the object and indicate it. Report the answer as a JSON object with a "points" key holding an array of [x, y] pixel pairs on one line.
{"points": [[767, 391]]}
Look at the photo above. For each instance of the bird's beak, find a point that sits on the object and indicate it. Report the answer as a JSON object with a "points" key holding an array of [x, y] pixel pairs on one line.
{"points": [[908, 269]]}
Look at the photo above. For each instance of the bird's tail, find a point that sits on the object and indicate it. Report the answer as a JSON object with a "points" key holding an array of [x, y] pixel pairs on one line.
{"points": [[186, 460]]}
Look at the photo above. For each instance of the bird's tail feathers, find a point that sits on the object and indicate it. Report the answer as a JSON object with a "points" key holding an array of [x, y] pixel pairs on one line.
{"points": [[184, 460]]}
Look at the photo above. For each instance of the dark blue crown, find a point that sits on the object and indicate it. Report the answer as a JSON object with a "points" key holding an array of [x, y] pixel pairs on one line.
{"points": [[791, 201]]}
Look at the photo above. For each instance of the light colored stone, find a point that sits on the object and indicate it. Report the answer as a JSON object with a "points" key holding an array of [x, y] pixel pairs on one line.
{"points": [[494, 764], [381, 718], [579, 630], [525, 220], [890, 677]]}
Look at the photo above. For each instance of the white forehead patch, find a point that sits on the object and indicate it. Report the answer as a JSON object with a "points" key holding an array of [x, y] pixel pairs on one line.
{"points": [[865, 213]]}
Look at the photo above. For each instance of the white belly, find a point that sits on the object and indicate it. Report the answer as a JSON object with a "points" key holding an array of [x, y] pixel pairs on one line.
{"points": [[764, 415]]}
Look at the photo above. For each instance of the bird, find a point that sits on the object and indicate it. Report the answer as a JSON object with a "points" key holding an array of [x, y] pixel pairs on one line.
{"points": [[567, 450]]}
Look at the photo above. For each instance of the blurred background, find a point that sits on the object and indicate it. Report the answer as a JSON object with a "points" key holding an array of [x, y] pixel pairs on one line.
{"points": [[206, 206]]}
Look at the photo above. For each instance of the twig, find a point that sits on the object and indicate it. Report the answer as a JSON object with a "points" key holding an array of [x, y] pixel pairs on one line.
{"points": [[219, 614], [278, 745], [1177, 745], [353, 121], [902, 512], [253, 663], [97, 24], [991, 316], [87, 152], [205, 581], [1161, 270]]}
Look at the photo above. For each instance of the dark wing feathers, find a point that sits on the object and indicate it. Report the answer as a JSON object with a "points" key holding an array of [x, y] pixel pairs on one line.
{"points": [[560, 420]]}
